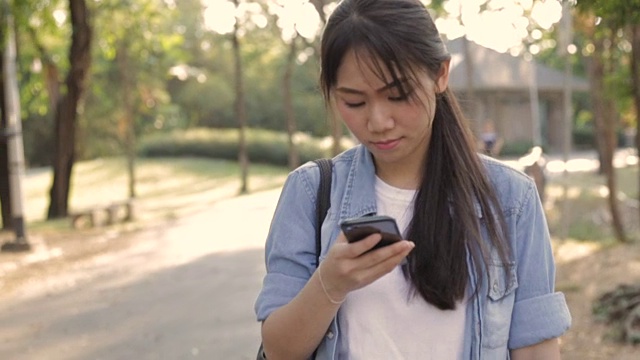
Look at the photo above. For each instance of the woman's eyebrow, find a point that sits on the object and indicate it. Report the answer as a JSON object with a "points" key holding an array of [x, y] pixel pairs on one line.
{"points": [[393, 84], [347, 90], [396, 83]]}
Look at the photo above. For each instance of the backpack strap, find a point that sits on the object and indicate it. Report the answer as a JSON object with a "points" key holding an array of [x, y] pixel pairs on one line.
{"points": [[322, 207], [323, 200]]}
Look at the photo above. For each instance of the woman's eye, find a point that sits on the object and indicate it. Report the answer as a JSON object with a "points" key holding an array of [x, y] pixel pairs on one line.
{"points": [[398, 98], [354, 105]]}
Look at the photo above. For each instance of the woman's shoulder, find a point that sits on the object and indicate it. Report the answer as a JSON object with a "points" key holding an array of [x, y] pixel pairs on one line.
{"points": [[513, 186], [310, 169], [497, 169]]}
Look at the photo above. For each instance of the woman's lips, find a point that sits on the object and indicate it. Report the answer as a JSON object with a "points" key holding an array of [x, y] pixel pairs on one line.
{"points": [[387, 144]]}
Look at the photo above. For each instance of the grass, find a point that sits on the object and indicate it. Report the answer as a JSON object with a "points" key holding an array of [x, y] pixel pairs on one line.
{"points": [[165, 187], [577, 205]]}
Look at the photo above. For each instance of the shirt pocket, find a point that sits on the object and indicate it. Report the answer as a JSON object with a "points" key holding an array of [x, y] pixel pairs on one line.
{"points": [[499, 304]]}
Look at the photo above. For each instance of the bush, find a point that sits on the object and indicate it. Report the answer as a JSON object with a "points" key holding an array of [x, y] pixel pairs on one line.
{"points": [[516, 148], [584, 138], [264, 146]]}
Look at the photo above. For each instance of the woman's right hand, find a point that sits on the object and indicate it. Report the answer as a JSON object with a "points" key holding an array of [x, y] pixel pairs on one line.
{"points": [[351, 266], [305, 319]]}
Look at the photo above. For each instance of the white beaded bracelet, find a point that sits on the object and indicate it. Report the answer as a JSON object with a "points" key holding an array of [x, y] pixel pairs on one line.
{"points": [[325, 289]]}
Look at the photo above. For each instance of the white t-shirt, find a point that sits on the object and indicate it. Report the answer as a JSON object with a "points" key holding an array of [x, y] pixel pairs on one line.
{"points": [[382, 320]]}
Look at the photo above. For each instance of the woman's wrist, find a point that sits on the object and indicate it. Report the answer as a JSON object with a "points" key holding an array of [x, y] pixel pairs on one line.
{"points": [[332, 299]]}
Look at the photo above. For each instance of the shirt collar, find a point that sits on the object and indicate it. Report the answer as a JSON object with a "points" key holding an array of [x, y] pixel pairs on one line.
{"points": [[359, 196]]}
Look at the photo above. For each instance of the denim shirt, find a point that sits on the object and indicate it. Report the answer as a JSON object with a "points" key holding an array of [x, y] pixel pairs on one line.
{"points": [[509, 312]]}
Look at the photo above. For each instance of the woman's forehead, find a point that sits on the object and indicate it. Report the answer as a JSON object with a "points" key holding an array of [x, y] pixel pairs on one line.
{"points": [[378, 71], [370, 65]]}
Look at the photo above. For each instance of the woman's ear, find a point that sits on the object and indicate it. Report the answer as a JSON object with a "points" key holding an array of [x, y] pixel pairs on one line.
{"points": [[442, 79]]}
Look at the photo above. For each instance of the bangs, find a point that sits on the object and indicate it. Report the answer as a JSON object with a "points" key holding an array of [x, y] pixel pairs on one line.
{"points": [[380, 54], [391, 38], [384, 64]]}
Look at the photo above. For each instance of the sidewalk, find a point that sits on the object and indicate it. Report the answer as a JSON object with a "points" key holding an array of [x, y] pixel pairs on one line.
{"points": [[181, 291], [579, 161]]}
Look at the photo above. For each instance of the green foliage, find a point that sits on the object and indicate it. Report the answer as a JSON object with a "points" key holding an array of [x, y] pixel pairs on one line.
{"points": [[37, 141], [41, 40], [161, 37], [584, 138], [264, 146], [516, 148], [587, 230], [577, 206], [619, 12], [134, 53], [156, 39]]}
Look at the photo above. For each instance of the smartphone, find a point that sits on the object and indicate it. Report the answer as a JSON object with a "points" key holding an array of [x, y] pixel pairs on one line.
{"points": [[359, 228]]}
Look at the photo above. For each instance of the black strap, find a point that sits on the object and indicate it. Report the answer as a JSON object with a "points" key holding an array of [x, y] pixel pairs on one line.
{"points": [[323, 200], [322, 207]]}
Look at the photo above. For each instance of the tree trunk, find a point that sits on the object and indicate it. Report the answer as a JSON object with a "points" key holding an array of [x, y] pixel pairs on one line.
{"points": [[240, 110], [5, 192], [126, 124], [294, 156], [635, 80], [605, 119], [67, 109], [335, 125], [471, 88]]}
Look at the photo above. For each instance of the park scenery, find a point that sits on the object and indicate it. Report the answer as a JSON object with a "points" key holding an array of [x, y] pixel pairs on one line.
{"points": [[144, 144]]}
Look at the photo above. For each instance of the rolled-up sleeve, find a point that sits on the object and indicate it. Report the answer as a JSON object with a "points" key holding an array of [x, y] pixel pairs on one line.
{"points": [[290, 246], [539, 313]]}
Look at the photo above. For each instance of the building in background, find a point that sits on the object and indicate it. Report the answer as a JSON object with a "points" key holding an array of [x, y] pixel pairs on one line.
{"points": [[502, 86]]}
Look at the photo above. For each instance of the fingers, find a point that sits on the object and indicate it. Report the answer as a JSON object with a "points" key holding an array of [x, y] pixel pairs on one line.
{"points": [[382, 261], [351, 265], [392, 254], [356, 248], [362, 249]]}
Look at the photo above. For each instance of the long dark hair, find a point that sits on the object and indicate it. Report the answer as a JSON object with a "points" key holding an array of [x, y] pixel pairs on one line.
{"points": [[400, 36]]}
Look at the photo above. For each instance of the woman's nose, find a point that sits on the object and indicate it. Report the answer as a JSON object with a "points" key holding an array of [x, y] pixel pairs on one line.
{"points": [[380, 118]]}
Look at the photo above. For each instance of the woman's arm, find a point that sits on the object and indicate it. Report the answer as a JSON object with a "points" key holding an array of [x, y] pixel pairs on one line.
{"points": [[294, 330], [546, 350]]}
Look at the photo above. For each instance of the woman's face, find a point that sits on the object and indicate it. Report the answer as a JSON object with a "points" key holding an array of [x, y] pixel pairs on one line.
{"points": [[396, 130]]}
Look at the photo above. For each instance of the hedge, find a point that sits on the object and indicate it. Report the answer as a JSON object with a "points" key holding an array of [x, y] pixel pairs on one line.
{"points": [[264, 146]]}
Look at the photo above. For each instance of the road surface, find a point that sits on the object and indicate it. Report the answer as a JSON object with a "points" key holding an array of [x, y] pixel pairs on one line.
{"points": [[181, 291]]}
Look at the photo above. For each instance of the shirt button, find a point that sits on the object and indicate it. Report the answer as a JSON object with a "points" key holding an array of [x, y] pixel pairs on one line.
{"points": [[330, 334], [495, 286]]}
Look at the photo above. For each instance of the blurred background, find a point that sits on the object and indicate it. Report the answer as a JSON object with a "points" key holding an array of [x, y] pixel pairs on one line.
{"points": [[121, 116]]}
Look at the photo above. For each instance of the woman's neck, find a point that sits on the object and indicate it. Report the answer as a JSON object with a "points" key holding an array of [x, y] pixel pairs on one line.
{"points": [[403, 177]]}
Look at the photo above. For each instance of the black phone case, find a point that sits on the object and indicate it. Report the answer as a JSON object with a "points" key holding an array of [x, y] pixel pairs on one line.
{"points": [[359, 228]]}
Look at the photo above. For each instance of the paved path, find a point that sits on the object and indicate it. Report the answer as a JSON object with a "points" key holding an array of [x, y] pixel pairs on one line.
{"points": [[183, 292]]}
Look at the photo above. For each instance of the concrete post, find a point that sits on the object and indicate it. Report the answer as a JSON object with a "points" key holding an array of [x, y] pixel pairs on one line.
{"points": [[14, 140]]}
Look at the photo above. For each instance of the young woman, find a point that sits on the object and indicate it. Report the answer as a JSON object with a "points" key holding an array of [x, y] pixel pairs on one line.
{"points": [[474, 280]]}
